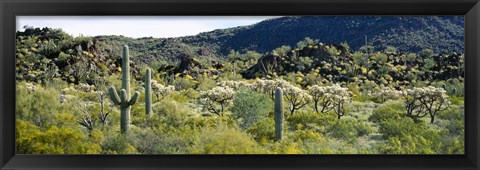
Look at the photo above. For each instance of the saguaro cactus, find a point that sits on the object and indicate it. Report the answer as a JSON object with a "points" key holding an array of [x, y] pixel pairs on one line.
{"points": [[124, 99], [278, 116], [148, 92]]}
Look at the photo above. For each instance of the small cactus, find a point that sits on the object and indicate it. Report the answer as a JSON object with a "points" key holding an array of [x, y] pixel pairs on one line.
{"points": [[148, 92], [278, 116], [124, 99]]}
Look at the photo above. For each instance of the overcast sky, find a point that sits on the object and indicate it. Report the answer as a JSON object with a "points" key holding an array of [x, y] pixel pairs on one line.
{"points": [[137, 26]]}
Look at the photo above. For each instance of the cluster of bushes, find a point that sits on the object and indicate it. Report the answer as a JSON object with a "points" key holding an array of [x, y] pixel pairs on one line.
{"points": [[179, 125]]}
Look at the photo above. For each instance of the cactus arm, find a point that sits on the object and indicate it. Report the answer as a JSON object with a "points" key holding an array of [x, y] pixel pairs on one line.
{"points": [[134, 98], [114, 95], [123, 96]]}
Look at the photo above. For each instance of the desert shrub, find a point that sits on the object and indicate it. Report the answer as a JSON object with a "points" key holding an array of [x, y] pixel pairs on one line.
{"points": [[316, 147], [349, 129], [452, 125], [37, 105], [301, 136], [362, 98], [137, 109], [406, 144], [190, 93], [455, 87], [182, 83], [311, 120], [327, 146], [30, 139], [143, 139], [455, 146], [174, 140], [172, 112], [199, 122], [454, 120], [398, 127], [250, 107], [117, 143], [65, 119], [179, 97], [458, 100], [364, 129], [388, 110], [206, 83], [286, 147], [224, 140], [263, 130]]}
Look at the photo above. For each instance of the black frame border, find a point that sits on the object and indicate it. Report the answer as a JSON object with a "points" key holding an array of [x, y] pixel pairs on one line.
{"points": [[11, 8]]}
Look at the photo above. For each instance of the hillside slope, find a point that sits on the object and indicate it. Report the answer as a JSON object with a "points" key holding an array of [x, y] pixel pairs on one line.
{"points": [[443, 34]]}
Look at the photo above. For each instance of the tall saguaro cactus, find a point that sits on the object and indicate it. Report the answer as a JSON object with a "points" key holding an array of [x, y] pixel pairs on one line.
{"points": [[148, 92], [124, 99], [278, 116]]}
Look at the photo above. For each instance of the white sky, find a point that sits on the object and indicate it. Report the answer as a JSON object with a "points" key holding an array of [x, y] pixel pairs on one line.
{"points": [[137, 26]]}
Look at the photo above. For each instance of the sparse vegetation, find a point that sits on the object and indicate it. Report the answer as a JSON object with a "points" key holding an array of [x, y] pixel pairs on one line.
{"points": [[302, 98]]}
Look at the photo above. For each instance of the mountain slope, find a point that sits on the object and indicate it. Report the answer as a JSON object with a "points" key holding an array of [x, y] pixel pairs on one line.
{"points": [[444, 34]]}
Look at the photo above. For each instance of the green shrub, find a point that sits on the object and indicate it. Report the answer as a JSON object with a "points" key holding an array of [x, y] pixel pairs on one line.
{"points": [[311, 120], [206, 83], [406, 144], [30, 139], [178, 97], [200, 121], [173, 113], [345, 129], [457, 100], [456, 146], [143, 139], [364, 129], [389, 110], [190, 93], [286, 147], [250, 107], [37, 106], [350, 129], [181, 83], [263, 130], [117, 143], [176, 141], [301, 136], [397, 127], [223, 140]]}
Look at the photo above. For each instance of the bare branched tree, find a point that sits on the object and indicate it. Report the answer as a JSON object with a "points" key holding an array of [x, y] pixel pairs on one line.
{"points": [[86, 119]]}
